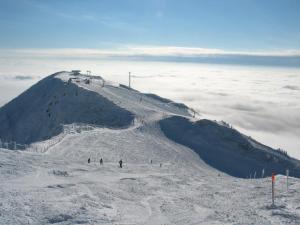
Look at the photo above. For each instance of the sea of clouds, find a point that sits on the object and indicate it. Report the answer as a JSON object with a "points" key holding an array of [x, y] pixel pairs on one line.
{"points": [[263, 102]]}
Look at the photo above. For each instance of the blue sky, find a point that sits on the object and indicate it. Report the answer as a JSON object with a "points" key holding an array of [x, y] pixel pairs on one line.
{"points": [[227, 25]]}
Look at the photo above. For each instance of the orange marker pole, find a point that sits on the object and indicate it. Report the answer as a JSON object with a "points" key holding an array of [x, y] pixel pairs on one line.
{"points": [[273, 184]]}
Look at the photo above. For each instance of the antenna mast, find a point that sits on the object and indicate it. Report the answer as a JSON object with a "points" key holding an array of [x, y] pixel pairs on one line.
{"points": [[129, 80]]}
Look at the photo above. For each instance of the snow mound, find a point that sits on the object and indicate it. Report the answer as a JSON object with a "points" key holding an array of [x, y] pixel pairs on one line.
{"points": [[228, 150], [168, 101], [41, 111]]}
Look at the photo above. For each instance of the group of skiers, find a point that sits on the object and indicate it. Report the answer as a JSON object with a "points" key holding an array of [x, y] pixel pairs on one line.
{"points": [[120, 162], [101, 162]]}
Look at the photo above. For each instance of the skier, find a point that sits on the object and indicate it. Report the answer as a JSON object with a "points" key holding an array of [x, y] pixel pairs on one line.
{"points": [[120, 163], [101, 161], [89, 160]]}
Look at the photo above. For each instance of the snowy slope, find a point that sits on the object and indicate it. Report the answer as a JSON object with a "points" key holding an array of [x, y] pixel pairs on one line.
{"points": [[52, 183], [228, 150]]}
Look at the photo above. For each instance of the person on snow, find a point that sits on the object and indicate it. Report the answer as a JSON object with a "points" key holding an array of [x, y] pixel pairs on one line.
{"points": [[89, 160], [120, 163], [101, 161]]}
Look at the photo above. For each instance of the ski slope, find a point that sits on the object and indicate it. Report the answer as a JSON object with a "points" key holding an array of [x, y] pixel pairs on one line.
{"points": [[164, 180]]}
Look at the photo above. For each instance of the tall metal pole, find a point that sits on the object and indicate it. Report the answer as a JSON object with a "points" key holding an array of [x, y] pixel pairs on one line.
{"points": [[129, 79]]}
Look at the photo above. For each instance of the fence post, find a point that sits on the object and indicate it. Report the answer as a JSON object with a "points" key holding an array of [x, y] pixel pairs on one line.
{"points": [[287, 180]]}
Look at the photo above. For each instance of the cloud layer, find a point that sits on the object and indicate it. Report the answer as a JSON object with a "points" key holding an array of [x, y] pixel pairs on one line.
{"points": [[260, 101], [166, 53]]}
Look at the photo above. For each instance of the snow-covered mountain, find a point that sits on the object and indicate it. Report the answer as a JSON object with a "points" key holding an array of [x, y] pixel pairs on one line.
{"points": [[42, 111], [176, 167]]}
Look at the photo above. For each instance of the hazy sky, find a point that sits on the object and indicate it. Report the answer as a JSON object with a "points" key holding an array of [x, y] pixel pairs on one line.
{"points": [[197, 30], [224, 24]]}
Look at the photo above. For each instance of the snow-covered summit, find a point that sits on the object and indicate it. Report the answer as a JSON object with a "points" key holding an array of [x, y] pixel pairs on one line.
{"points": [[64, 98], [41, 111]]}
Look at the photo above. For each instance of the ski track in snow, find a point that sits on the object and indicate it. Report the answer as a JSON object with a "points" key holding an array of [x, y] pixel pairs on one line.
{"points": [[136, 194], [58, 186]]}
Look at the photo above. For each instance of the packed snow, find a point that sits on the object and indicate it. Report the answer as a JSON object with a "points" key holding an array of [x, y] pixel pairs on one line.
{"points": [[165, 178]]}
